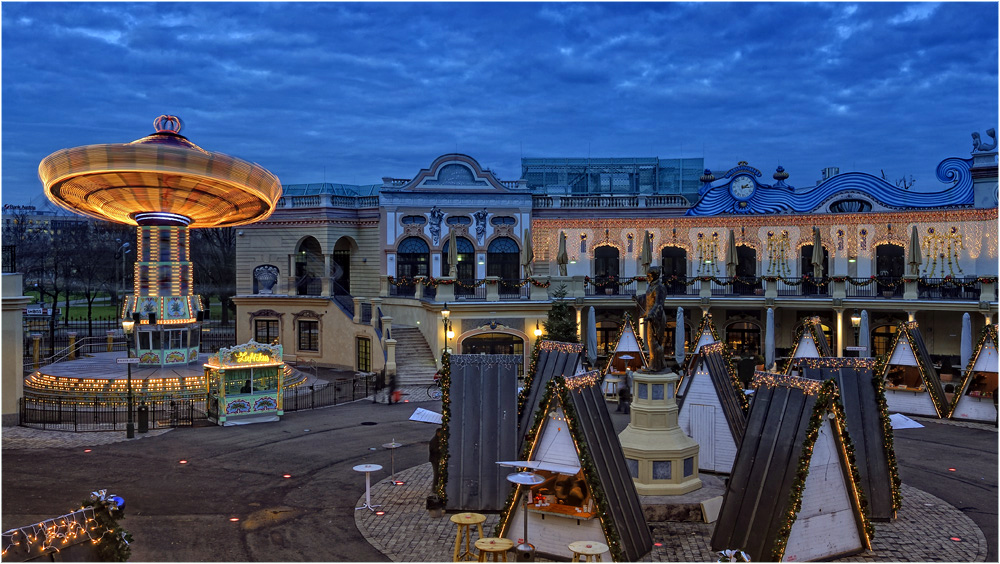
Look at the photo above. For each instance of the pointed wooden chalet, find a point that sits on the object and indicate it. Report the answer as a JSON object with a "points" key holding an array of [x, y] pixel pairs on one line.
{"points": [[793, 494], [912, 385], [706, 333], [548, 360], [809, 342], [975, 397], [588, 493], [628, 344], [712, 408], [863, 398]]}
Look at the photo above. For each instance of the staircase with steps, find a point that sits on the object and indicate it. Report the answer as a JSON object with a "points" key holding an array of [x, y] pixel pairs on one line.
{"points": [[415, 363]]}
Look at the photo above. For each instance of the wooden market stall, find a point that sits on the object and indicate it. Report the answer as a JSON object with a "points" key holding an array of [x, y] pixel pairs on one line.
{"points": [[712, 408], [706, 333], [863, 398], [245, 384], [628, 356], [587, 493], [975, 397], [809, 342], [548, 360], [912, 385], [774, 511]]}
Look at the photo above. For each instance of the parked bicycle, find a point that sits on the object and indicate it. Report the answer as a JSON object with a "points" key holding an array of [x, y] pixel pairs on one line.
{"points": [[434, 390]]}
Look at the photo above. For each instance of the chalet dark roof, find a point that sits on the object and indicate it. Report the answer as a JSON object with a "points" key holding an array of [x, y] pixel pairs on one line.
{"points": [[731, 396], [911, 331], [761, 487], [605, 471], [601, 441], [869, 427], [554, 359], [757, 494], [482, 429]]}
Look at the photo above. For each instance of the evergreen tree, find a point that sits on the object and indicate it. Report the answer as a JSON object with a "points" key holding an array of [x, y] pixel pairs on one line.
{"points": [[561, 324]]}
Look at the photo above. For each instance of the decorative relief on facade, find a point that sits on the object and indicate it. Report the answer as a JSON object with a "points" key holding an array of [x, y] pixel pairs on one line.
{"points": [[266, 276], [435, 224], [265, 313], [306, 314], [480, 216]]}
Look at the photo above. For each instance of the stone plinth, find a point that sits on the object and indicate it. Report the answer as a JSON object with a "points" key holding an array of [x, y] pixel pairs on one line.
{"points": [[661, 458]]}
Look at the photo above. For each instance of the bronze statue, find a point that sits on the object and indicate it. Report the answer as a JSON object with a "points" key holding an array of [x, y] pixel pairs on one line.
{"points": [[652, 304]]}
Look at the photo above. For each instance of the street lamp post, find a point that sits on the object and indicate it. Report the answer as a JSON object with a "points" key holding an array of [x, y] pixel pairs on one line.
{"points": [[446, 322], [856, 322], [123, 249], [128, 324]]}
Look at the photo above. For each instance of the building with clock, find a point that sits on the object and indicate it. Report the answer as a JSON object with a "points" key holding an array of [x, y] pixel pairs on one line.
{"points": [[361, 276]]}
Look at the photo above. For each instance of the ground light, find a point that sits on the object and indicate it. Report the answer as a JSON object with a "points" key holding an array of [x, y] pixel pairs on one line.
{"points": [[86, 450], [234, 519], [380, 512], [286, 476], [183, 461], [956, 539]]}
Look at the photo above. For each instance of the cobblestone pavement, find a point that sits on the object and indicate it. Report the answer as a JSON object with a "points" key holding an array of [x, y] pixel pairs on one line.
{"points": [[29, 438], [922, 531], [956, 423]]}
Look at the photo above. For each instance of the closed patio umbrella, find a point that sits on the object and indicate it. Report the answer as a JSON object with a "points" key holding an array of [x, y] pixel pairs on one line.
{"points": [[913, 257], [864, 335], [817, 255], [452, 254], [769, 340], [679, 337], [592, 336], [561, 257], [646, 253], [966, 349], [527, 253], [732, 260]]}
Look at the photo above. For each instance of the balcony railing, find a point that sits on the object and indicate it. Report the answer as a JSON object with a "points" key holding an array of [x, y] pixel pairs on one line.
{"points": [[737, 286], [803, 287], [609, 286], [949, 288]]}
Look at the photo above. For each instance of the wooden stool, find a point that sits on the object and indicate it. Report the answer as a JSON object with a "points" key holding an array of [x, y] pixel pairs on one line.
{"points": [[498, 547], [464, 520], [589, 550]]}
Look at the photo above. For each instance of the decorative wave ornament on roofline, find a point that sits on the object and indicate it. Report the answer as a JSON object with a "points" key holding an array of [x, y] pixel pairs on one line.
{"points": [[859, 186]]}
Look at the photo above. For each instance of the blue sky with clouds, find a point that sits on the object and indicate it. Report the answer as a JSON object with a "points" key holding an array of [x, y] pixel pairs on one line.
{"points": [[352, 92]]}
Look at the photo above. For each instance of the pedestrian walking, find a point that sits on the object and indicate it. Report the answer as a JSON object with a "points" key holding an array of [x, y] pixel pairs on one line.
{"points": [[393, 395], [379, 384], [624, 399]]}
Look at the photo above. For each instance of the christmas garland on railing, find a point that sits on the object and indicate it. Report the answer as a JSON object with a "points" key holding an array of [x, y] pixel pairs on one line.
{"points": [[949, 280], [828, 397]]}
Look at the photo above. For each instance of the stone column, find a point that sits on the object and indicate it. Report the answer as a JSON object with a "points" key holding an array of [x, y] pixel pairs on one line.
{"points": [[578, 305], [641, 285], [376, 303], [577, 288], [492, 288], [418, 288], [383, 286], [557, 282], [537, 293], [988, 292], [770, 289], [72, 345], [386, 326], [390, 357], [706, 289], [326, 289], [909, 287], [838, 289], [445, 292], [292, 290], [840, 331]]}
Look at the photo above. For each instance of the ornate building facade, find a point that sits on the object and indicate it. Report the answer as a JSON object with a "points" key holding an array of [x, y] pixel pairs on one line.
{"points": [[338, 271]]}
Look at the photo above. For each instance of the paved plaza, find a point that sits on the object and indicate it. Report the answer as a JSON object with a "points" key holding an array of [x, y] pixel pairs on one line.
{"points": [[182, 512]]}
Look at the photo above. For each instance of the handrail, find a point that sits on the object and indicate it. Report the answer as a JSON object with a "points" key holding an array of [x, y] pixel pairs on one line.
{"points": [[66, 352]]}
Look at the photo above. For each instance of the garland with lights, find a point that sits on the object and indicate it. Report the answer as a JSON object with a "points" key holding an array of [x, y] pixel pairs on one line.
{"points": [[96, 521], [439, 487], [887, 441], [812, 324], [988, 332], [904, 331], [950, 281], [627, 323], [559, 389], [827, 399], [734, 377]]}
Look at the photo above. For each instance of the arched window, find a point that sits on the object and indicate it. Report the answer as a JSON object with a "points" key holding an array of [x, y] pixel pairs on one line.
{"points": [[746, 269], [503, 259], [309, 265], [889, 264], [673, 269], [413, 258], [466, 264], [743, 338], [882, 337], [806, 269]]}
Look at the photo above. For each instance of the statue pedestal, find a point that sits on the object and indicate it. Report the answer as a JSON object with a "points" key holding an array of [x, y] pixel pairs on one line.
{"points": [[661, 459]]}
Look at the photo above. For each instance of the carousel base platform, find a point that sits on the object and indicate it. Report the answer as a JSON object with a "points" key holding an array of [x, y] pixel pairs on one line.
{"points": [[686, 507], [100, 373], [250, 419]]}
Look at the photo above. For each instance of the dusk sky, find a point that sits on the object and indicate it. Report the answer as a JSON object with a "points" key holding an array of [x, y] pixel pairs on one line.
{"points": [[352, 92]]}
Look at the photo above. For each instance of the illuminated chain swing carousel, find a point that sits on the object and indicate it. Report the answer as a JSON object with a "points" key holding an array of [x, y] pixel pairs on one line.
{"points": [[165, 185]]}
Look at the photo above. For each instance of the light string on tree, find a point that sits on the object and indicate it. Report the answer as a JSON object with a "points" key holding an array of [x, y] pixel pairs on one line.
{"points": [[439, 487]]}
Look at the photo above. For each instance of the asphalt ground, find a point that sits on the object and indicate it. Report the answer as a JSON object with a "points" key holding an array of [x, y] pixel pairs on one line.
{"points": [[182, 512]]}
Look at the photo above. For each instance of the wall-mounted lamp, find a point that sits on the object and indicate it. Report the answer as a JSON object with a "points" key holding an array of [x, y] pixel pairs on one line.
{"points": [[852, 259], [538, 330]]}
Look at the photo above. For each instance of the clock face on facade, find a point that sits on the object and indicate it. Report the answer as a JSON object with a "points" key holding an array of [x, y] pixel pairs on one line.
{"points": [[742, 187]]}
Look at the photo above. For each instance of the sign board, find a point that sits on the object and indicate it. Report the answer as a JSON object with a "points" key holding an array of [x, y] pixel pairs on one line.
{"points": [[856, 348], [132, 360], [41, 311]]}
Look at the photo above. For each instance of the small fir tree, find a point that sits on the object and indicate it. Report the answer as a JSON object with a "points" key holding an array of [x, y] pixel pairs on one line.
{"points": [[561, 324]]}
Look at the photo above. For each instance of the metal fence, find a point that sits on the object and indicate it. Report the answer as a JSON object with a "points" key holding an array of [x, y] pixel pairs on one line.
{"points": [[109, 412]]}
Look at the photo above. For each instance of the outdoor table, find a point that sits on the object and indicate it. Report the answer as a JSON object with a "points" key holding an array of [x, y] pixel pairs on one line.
{"points": [[392, 463], [368, 469], [464, 521], [498, 547], [589, 550], [610, 386]]}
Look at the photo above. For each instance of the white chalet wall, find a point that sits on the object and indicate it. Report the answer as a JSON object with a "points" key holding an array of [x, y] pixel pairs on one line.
{"points": [[723, 447]]}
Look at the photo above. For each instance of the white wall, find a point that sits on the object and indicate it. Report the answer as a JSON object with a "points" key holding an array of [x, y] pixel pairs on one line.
{"points": [[723, 445]]}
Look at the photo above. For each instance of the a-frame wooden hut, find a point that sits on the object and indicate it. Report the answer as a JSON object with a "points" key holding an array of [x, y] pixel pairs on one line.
{"points": [[809, 342], [548, 359], [793, 494], [712, 408], [628, 344], [572, 430], [976, 396], [706, 333], [863, 397], [912, 385]]}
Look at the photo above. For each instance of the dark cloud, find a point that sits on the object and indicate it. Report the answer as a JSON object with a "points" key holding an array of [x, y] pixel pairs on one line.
{"points": [[351, 92]]}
